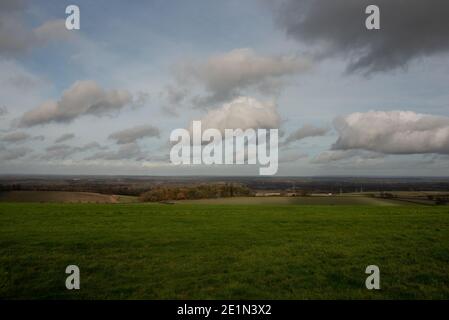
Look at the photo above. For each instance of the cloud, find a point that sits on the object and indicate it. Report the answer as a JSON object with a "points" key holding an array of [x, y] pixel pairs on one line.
{"points": [[52, 30], [82, 98], [58, 152], [63, 151], [242, 113], [3, 111], [305, 132], [339, 155], [140, 99], [15, 137], [14, 153], [128, 151], [225, 76], [393, 132], [38, 138], [19, 89], [21, 80], [292, 156], [19, 137], [409, 29], [134, 134], [92, 146], [173, 98], [16, 37], [65, 137]]}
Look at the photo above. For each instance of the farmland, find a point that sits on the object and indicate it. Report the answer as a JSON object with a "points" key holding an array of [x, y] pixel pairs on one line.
{"points": [[62, 196], [206, 251], [312, 200]]}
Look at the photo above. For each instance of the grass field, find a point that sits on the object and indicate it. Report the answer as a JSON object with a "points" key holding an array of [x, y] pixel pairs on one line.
{"points": [[190, 251]]}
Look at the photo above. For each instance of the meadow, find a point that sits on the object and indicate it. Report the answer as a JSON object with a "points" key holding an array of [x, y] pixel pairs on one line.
{"points": [[218, 251]]}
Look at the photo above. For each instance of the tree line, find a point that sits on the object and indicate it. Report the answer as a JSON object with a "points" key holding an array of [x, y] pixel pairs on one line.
{"points": [[201, 191]]}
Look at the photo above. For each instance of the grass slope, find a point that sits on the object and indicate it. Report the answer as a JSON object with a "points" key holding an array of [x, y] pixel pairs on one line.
{"points": [[215, 251]]}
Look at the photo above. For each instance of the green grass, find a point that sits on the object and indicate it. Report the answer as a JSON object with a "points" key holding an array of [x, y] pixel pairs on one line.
{"points": [[153, 251]]}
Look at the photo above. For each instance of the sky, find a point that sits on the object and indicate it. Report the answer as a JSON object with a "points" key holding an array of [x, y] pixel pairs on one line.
{"points": [[104, 99]]}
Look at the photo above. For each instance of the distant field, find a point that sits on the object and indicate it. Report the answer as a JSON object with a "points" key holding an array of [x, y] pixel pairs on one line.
{"points": [[197, 251], [313, 200], [62, 196], [400, 198]]}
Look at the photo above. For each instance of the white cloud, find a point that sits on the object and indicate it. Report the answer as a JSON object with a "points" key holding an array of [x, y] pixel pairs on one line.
{"points": [[393, 132], [14, 153], [15, 81], [134, 134], [3, 111], [292, 156], [63, 151], [17, 78], [127, 151], [64, 137], [82, 98], [173, 98], [305, 132], [225, 76], [58, 152], [15, 137], [52, 30], [242, 113], [340, 155]]}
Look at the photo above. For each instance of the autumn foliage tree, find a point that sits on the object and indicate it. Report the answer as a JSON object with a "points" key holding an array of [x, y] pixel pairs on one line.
{"points": [[200, 191]]}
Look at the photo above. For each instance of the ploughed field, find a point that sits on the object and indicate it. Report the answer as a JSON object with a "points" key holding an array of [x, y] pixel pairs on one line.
{"points": [[207, 251], [62, 196]]}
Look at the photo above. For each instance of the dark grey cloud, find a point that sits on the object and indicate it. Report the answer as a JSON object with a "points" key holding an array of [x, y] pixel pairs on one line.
{"points": [[64, 137], [306, 131], [82, 98], [409, 29], [393, 132], [134, 134]]}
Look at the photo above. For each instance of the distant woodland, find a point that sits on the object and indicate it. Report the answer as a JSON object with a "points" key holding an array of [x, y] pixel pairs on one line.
{"points": [[201, 191]]}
